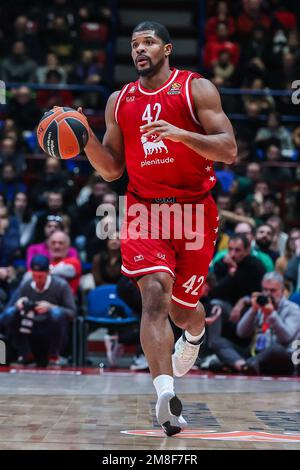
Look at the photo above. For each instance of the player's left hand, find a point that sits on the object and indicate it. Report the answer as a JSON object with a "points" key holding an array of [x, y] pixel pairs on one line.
{"points": [[163, 130]]}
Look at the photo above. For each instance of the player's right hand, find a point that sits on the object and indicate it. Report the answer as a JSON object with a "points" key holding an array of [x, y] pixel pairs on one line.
{"points": [[88, 126]]}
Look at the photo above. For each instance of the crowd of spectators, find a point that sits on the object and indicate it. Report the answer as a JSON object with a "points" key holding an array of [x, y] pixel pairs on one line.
{"points": [[50, 254]]}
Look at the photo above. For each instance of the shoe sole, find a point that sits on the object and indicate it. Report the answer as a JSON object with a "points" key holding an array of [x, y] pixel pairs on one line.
{"points": [[175, 407]]}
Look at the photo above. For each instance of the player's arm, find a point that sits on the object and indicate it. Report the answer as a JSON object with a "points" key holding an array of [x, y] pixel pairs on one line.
{"points": [[107, 158], [218, 142]]}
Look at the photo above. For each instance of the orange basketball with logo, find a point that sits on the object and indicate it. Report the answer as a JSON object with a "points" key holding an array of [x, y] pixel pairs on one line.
{"points": [[63, 132]]}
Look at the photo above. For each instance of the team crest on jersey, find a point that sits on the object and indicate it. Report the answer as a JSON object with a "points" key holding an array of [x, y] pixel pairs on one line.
{"points": [[175, 89], [150, 146], [132, 89]]}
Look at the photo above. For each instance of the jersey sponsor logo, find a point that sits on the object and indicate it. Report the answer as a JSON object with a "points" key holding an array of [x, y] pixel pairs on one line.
{"points": [[150, 147], [132, 89], [138, 258], [241, 436], [129, 99], [161, 255], [175, 89]]}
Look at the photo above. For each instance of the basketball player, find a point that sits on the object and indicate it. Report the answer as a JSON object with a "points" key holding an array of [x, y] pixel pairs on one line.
{"points": [[167, 128]]}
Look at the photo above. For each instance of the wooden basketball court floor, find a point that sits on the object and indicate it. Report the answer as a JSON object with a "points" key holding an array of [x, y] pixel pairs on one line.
{"points": [[74, 410]]}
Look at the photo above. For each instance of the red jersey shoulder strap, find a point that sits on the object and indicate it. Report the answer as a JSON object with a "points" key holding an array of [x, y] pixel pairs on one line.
{"points": [[118, 100], [189, 95]]}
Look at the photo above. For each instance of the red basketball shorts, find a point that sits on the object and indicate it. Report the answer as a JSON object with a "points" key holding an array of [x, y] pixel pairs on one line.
{"points": [[170, 237]]}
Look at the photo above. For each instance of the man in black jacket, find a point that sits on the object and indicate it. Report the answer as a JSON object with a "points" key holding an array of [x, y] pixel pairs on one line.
{"points": [[238, 273], [38, 322]]}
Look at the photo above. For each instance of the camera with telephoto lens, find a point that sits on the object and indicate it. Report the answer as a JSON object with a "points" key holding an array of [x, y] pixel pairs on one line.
{"points": [[28, 305], [27, 315], [262, 300]]}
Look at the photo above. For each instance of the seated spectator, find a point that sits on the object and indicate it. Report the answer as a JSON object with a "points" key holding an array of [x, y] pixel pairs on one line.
{"points": [[52, 63], [247, 129], [67, 267], [106, 267], [247, 230], [238, 273], [244, 185], [265, 103], [223, 201], [290, 251], [263, 241], [27, 221], [58, 40], [256, 45], [22, 31], [269, 207], [17, 67], [63, 8], [222, 15], [213, 48], [38, 322], [275, 130], [252, 16], [272, 326], [86, 191], [55, 206], [87, 71], [54, 178], [9, 184], [23, 109], [224, 68], [288, 70], [46, 99], [256, 197], [280, 238], [10, 154], [53, 223]]}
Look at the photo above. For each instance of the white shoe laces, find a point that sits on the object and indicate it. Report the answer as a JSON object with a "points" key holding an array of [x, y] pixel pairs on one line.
{"points": [[186, 351]]}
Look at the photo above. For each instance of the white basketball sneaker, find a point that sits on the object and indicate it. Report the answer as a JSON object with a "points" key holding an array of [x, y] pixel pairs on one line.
{"points": [[185, 356], [168, 413]]}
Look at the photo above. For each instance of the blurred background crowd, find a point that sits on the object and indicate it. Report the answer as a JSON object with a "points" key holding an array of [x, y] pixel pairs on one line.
{"points": [[51, 260]]}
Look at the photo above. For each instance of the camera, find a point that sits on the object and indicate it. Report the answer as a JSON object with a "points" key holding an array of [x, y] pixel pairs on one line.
{"points": [[26, 317], [262, 300], [29, 305]]}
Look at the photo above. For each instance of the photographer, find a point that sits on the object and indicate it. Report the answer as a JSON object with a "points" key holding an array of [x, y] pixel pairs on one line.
{"points": [[273, 322], [37, 324]]}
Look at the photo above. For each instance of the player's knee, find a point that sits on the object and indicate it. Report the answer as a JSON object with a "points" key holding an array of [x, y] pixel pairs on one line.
{"points": [[156, 295]]}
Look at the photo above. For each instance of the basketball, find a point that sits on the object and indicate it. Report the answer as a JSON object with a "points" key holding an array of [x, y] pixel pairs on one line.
{"points": [[62, 132]]}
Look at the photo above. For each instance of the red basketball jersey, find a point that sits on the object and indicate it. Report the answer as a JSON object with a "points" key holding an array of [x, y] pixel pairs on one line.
{"points": [[162, 169]]}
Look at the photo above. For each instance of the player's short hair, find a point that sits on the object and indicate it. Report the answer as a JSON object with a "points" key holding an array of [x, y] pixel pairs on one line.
{"points": [[159, 30]]}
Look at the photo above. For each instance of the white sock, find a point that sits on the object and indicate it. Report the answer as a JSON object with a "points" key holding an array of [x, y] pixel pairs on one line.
{"points": [[194, 339], [163, 383]]}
